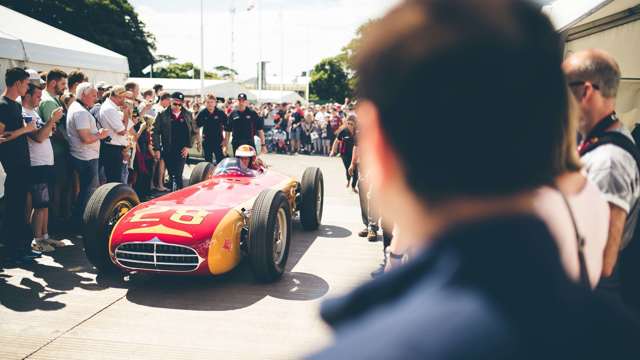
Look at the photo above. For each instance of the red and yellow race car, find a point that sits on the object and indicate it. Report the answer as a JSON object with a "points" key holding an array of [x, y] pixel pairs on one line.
{"points": [[226, 213]]}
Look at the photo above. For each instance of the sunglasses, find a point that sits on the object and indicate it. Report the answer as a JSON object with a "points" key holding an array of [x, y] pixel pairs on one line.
{"points": [[176, 104]]}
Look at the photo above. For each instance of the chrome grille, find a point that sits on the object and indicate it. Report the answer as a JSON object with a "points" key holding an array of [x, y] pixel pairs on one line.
{"points": [[158, 256]]}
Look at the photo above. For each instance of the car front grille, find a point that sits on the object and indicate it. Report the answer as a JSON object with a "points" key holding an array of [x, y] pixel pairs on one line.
{"points": [[157, 256]]}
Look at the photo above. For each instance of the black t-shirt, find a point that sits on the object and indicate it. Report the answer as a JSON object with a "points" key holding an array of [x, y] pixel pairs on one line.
{"points": [[244, 124], [13, 154], [348, 141], [212, 124], [297, 118]]}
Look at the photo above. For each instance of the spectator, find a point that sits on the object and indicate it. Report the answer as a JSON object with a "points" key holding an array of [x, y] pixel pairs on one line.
{"points": [[115, 116], [245, 124], [159, 165], [296, 129], [486, 281], [307, 130], [14, 155], [593, 77], [75, 78], [212, 121], [325, 135], [102, 88], [42, 174], [84, 140], [62, 189], [575, 210], [344, 144], [158, 90], [172, 138], [133, 88]]}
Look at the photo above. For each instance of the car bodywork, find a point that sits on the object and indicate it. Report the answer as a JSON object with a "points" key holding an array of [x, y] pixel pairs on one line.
{"points": [[198, 230]]}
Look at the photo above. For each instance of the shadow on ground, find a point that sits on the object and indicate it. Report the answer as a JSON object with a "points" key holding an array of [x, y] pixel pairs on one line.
{"points": [[237, 289]]}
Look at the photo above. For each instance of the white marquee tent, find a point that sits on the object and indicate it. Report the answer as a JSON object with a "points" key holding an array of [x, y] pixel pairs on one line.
{"points": [[276, 96], [611, 25], [191, 87], [25, 41]]}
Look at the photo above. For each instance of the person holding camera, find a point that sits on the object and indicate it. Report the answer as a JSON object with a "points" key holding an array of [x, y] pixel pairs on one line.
{"points": [[115, 115], [84, 143]]}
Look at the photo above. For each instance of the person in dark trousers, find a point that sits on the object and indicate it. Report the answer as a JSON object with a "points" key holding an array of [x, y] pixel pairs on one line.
{"points": [[173, 130], [15, 234], [344, 144], [212, 121], [244, 124], [486, 280]]}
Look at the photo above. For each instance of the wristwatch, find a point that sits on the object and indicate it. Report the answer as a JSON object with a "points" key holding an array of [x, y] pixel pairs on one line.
{"points": [[394, 256]]}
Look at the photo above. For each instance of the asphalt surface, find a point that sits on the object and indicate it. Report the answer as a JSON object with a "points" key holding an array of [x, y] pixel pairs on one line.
{"points": [[59, 308]]}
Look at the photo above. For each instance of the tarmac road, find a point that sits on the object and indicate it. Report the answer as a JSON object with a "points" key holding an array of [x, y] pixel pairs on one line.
{"points": [[60, 309]]}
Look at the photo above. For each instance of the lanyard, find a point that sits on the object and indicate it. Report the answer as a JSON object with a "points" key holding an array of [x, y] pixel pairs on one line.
{"points": [[597, 132]]}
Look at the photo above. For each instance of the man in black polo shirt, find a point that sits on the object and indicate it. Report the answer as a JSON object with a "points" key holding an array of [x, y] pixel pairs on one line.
{"points": [[213, 121], [14, 155], [245, 124]]}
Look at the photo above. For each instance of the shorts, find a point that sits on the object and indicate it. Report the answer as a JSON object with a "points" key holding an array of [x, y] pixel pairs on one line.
{"points": [[295, 134], [41, 180]]}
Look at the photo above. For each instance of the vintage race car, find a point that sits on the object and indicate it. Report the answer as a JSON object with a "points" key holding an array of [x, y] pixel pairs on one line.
{"points": [[226, 213]]}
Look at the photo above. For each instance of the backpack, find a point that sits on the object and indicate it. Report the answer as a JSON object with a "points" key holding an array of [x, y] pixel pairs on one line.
{"points": [[629, 260]]}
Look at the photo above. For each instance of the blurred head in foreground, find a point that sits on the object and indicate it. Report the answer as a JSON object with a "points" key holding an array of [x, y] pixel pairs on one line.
{"points": [[488, 74]]}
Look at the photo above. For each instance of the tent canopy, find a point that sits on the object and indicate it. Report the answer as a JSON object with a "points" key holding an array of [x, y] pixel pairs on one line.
{"points": [[29, 42], [610, 25], [275, 96], [191, 87]]}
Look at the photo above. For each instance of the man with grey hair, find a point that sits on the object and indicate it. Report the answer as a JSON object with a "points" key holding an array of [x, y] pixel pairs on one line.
{"points": [[593, 77], [84, 142]]}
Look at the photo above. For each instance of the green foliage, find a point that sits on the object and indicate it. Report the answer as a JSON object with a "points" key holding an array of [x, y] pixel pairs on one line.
{"points": [[329, 81], [112, 24], [182, 71], [226, 73]]}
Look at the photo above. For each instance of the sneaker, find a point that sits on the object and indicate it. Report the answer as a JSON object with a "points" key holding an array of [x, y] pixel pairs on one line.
{"points": [[41, 246], [372, 236], [55, 243], [363, 233]]}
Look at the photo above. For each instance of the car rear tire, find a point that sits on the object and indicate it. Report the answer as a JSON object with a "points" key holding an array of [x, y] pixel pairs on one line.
{"points": [[105, 207], [269, 235], [312, 198], [203, 171]]}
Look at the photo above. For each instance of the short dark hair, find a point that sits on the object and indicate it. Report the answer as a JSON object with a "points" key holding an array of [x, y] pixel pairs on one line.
{"points": [[32, 89], [148, 93], [55, 75], [130, 85], [157, 87], [14, 75], [76, 77], [165, 96], [489, 74]]}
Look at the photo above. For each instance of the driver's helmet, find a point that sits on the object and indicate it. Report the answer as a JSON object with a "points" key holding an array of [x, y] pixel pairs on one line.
{"points": [[247, 151]]}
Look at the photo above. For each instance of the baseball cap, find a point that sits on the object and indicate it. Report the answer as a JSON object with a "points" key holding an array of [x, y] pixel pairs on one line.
{"points": [[34, 77], [177, 96], [242, 96]]}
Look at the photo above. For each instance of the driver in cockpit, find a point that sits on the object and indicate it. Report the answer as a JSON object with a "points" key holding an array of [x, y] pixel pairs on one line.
{"points": [[247, 157]]}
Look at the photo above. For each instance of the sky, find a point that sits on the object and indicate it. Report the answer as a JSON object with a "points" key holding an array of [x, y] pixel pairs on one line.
{"points": [[296, 34]]}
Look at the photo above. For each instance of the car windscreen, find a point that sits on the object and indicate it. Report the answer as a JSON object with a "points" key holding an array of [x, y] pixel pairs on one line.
{"points": [[231, 166]]}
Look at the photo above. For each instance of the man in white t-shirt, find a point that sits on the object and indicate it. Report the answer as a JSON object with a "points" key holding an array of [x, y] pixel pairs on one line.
{"points": [[593, 77], [84, 143], [115, 115], [42, 174]]}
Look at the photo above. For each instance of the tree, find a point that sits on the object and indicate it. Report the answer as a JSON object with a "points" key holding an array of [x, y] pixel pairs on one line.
{"points": [[349, 52], [112, 24], [182, 71], [329, 81], [226, 73]]}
